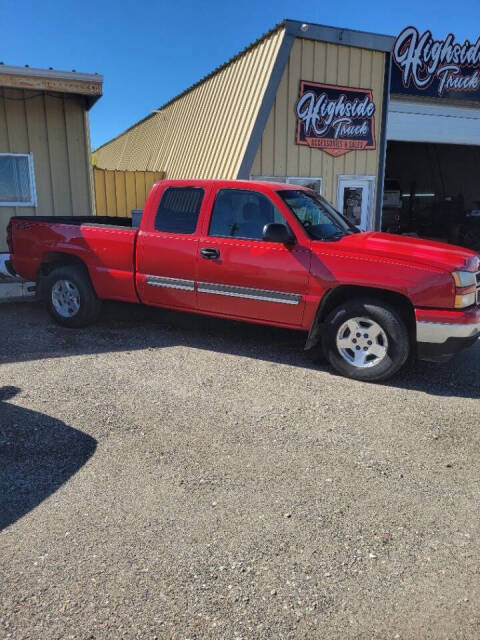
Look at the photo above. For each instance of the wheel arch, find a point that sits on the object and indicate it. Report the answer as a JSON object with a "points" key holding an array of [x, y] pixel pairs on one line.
{"points": [[334, 298], [55, 259]]}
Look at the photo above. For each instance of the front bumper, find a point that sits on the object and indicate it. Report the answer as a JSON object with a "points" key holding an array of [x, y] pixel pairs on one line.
{"points": [[442, 334]]}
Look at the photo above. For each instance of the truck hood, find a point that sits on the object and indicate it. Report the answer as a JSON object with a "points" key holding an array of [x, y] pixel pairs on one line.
{"points": [[414, 250]]}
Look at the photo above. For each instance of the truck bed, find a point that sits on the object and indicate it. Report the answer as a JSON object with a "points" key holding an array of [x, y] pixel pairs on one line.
{"points": [[110, 221], [104, 244]]}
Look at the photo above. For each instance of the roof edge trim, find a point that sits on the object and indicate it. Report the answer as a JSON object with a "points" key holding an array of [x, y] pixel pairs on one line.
{"points": [[50, 73], [339, 35], [88, 85]]}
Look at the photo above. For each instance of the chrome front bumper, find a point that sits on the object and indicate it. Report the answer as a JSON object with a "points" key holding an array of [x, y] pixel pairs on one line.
{"points": [[439, 341], [440, 332]]}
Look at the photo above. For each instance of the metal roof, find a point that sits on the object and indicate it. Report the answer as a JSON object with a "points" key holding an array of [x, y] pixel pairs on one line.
{"points": [[238, 55], [204, 131]]}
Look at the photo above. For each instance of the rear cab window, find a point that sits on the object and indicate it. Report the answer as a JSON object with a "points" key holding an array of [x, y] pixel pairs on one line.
{"points": [[179, 209]]}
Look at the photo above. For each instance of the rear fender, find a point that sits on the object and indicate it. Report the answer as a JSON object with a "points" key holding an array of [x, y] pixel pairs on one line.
{"points": [[54, 260]]}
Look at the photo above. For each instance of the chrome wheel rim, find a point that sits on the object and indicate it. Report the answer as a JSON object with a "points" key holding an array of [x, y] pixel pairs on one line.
{"points": [[65, 298], [362, 342]]}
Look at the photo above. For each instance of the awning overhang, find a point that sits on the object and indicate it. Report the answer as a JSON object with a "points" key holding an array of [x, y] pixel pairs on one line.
{"points": [[86, 84]]}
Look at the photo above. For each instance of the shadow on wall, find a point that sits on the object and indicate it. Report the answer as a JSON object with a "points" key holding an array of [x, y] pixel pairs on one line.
{"points": [[37, 455]]}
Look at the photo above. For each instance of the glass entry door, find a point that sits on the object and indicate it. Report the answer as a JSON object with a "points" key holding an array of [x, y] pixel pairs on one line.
{"points": [[355, 199]]}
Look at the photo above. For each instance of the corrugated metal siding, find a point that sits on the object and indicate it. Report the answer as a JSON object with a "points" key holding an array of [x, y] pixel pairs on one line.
{"points": [[278, 155], [54, 130], [203, 133], [118, 192]]}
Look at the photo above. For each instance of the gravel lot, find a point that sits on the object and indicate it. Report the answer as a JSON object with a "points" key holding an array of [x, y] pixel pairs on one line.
{"points": [[169, 476]]}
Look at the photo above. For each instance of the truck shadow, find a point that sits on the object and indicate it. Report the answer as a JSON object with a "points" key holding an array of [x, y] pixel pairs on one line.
{"points": [[123, 327], [38, 454]]}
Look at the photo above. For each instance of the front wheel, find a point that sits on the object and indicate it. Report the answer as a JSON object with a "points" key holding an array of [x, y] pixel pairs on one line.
{"points": [[366, 340], [70, 297]]}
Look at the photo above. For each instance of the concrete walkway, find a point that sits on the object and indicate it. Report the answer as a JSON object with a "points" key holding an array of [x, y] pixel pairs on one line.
{"points": [[13, 288]]}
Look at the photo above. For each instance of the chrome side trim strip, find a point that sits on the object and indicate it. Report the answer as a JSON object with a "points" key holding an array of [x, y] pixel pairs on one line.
{"points": [[248, 292], [440, 332], [171, 283]]}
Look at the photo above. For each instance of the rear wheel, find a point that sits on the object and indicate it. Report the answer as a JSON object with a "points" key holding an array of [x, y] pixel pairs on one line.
{"points": [[70, 297], [366, 340]]}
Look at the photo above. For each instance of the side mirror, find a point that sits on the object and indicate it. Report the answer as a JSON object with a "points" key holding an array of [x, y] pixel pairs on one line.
{"points": [[275, 232]]}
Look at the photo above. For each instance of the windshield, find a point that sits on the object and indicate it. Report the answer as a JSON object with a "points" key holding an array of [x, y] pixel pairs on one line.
{"points": [[320, 220]]}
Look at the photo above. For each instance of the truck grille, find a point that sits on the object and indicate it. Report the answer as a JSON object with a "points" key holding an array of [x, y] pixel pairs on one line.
{"points": [[477, 276]]}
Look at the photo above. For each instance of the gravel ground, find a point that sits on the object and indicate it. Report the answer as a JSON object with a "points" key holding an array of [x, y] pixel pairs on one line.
{"points": [[169, 476]]}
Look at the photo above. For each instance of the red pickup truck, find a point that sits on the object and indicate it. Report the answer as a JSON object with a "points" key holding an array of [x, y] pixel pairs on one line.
{"points": [[261, 252]]}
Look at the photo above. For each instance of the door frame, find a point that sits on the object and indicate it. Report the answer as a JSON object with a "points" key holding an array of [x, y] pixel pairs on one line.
{"points": [[369, 183]]}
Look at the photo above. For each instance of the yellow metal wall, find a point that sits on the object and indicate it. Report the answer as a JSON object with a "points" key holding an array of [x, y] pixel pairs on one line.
{"points": [[203, 133], [118, 192], [278, 155], [55, 129]]}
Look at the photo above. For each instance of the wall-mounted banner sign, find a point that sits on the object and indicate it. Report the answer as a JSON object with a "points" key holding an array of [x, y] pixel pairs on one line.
{"points": [[436, 68], [335, 119]]}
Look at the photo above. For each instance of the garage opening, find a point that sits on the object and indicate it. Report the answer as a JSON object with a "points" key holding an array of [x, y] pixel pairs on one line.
{"points": [[433, 190]]}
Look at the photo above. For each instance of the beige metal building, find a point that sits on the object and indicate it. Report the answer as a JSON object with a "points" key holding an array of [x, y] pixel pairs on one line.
{"points": [[305, 103], [45, 166]]}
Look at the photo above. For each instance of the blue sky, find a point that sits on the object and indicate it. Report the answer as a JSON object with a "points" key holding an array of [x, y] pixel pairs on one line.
{"points": [[150, 51]]}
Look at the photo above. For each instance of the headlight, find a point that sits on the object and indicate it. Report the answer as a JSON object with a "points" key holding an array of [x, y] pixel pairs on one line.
{"points": [[466, 285], [464, 279], [465, 300]]}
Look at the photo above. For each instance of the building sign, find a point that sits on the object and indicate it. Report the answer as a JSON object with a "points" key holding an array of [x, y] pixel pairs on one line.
{"points": [[435, 68], [335, 119]]}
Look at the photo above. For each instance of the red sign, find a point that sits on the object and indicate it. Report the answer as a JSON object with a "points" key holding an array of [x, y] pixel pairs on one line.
{"points": [[335, 119]]}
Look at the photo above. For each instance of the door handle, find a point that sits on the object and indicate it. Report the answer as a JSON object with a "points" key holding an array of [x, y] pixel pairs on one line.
{"points": [[210, 254]]}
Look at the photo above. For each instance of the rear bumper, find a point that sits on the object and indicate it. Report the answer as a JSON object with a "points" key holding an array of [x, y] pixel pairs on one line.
{"points": [[442, 334], [6, 267]]}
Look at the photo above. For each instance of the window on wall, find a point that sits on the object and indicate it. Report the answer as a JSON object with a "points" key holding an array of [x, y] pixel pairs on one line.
{"points": [[315, 184], [17, 180]]}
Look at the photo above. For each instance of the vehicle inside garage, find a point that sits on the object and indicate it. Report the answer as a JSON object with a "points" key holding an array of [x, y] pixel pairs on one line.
{"points": [[432, 190]]}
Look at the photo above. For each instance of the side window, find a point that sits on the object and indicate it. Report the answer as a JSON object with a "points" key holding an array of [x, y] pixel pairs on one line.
{"points": [[241, 213], [178, 210], [17, 180]]}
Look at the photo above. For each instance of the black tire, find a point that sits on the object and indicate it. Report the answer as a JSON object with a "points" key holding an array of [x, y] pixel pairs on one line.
{"points": [[392, 324], [89, 305]]}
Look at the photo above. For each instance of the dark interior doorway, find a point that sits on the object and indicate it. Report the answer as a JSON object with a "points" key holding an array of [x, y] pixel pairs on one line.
{"points": [[433, 191]]}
